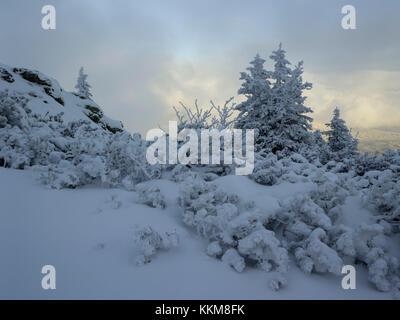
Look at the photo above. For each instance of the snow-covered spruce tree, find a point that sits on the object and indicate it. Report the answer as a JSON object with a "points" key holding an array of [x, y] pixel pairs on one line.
{"points": [[275, 105], [82, 85], [340, 141]]}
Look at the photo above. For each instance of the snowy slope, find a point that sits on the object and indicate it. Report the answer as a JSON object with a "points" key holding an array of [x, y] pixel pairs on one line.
{"points": [[45, 97], [87, 234]]}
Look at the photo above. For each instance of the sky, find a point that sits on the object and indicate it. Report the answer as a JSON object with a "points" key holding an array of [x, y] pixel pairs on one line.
{"points": [[144, 57]]}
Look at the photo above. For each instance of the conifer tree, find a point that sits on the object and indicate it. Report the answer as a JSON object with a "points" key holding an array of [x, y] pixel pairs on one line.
{"points": [[82, 85], [340, 140], [275, 105]]}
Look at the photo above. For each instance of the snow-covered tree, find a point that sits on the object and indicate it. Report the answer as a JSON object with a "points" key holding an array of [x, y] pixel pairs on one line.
{"points": [[82, 85], [340, 140], [275, 105], [257, 88]]}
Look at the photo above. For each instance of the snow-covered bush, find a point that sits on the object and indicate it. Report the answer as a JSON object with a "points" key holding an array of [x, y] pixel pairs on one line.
{"points": [[78, 153], [301, 208], [63, 175], [305, 226], [150, 242], [216, 117], [214, 249], [330, 196], [262, 246], [212, 118], [125, 161], [324, 258], [267, 170], [150, 195], [383, 195], [368, 244], [206, 208], [236, 232], [364, 163], [232, 258]]}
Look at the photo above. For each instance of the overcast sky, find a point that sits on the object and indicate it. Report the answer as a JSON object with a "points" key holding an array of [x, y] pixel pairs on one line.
{"points": [[143, 57]]}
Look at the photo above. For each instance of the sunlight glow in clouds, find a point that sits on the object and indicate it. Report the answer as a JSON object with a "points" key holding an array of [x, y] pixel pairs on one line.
{"points": [[144, 57]]}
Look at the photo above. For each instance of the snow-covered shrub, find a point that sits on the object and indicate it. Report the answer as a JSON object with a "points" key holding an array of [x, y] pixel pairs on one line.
{"points": [[126, 161], [267, 170], [243, 225], [368, 244], [303, 209], [181, 173], [13, 139], [232, 258], [63, 175], [150, 242], [365, 162], [89, 154], [235, 231], [330, 196], [214, 249], [212, 118], [372, 249], [383, 195], [324, 258], [262, 246], [305, 228], [150, 195], [10, 115], [206, 208], [389, 160]]}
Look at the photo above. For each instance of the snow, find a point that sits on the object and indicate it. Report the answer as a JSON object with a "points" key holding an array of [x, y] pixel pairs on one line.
{"points": [[89, 240], [119, 227]]}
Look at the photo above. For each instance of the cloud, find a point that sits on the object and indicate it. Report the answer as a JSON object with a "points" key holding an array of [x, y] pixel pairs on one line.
{"points": [[144, 57], [367, 98]]}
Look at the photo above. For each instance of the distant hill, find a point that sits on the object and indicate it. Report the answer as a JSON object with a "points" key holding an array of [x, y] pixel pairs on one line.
{"points": [[32, 93]]}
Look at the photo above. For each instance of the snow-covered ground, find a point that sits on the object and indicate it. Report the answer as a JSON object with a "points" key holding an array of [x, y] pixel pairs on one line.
{"points": [[87, 235]]}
